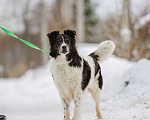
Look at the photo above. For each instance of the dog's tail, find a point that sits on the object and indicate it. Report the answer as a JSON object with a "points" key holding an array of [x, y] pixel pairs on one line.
{"points": [[104, 50]]}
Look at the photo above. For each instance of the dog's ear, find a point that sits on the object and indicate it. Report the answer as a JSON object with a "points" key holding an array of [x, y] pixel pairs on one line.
{"points": [[52, 35], [70, 33]]}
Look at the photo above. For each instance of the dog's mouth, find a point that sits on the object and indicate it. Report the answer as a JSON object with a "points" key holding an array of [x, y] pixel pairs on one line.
{"points": [[64, 51]]}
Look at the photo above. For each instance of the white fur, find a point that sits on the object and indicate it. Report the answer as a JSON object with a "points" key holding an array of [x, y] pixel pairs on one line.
{"points": [[68, 79], [105, 49]]}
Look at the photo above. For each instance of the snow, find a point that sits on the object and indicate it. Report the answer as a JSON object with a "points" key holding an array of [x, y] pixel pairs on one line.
{"points": [[126, 34], [35, 97], [142, 22]]}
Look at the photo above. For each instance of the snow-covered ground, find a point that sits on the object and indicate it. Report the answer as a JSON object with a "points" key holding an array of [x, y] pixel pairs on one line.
{"points": [[35, 97]]}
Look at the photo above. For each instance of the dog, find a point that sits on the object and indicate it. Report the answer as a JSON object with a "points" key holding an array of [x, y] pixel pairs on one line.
{"points": [[73, 73]]}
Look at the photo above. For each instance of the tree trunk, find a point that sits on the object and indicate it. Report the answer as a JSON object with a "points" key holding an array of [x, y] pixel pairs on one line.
{"points": [[125, 30], [80, 21], [26, 23], [44, 31], [66, 10]]}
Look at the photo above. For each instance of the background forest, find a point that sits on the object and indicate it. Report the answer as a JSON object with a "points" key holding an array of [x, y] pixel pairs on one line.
{"points": [[126, 22]]}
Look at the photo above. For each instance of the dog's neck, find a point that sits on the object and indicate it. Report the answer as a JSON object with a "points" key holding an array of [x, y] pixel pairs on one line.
{"points": [[72, 59]]}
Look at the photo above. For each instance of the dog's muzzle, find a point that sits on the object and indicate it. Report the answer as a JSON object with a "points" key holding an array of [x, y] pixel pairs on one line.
{"points": [[64, 49]]}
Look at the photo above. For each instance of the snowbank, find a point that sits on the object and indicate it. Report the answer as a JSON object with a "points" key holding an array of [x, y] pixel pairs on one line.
{"points": [[125, 94]]}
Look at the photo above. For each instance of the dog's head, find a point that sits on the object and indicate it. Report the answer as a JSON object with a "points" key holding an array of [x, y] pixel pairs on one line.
{"points": [[61, 44]]}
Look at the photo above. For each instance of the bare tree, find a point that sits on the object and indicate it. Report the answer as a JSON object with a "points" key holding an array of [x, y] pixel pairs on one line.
{"points": [[125, 30], [26, 23], [80, 21], [66, 11], [44, 31]]}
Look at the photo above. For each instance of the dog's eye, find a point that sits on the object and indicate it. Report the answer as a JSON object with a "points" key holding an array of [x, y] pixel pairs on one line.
{"points": [[58, 41], [67, 41]]}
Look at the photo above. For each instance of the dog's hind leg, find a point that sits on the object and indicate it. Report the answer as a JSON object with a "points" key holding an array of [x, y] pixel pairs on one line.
{"points": [[96, 97]]}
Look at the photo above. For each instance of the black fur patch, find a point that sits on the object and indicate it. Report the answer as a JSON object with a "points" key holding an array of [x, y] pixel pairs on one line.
{"points": [[94, 56], [53, 36], [86, 74], [74, 58], [70, 33], [97, 67], [100, 80]]}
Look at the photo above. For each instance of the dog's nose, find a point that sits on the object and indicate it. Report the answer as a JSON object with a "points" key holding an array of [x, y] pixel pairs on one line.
{"points": [[64, 47]]}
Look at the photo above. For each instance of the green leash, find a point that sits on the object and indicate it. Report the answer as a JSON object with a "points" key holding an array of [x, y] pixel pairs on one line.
{"points": [[24, 41]]}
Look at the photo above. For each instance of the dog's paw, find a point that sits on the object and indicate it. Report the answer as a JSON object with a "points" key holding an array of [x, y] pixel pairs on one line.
{"points": [[76, 118], [66, 118]]}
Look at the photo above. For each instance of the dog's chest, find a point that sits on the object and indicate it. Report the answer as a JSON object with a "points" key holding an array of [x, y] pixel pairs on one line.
{"points": [[66, 76]]}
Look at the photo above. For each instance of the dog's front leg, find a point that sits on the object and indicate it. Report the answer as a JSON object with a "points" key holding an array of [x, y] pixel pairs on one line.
{"points": [[77, 102], [65, 104]]}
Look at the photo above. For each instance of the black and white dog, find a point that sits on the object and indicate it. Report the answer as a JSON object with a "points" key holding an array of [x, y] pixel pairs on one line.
{"points": [[73, 74]]}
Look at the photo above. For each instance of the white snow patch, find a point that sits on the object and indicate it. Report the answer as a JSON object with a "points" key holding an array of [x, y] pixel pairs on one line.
{"points": [[142, 22], [126, 34], [35, 97]]}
